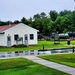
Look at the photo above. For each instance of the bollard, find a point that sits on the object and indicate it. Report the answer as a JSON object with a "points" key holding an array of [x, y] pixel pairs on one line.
{"points": [[73, 49], [68, 42], [43, 47]]}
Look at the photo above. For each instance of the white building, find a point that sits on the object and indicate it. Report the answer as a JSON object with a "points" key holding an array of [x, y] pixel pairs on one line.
{"points": [[17, 34]]}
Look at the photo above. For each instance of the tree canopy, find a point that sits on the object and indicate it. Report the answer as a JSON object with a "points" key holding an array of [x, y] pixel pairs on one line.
{"points": [[63, 22]]}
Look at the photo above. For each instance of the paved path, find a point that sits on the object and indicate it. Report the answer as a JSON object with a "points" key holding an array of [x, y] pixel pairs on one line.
{"points": [[54, 65]]}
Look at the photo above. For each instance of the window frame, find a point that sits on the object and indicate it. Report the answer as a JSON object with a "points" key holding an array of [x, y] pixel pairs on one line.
{"points": [[31, 36], [16, 36]]}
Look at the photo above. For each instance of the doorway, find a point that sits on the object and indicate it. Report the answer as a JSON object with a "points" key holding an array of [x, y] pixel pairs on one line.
{"points": [[8, 41], [26, 39]]}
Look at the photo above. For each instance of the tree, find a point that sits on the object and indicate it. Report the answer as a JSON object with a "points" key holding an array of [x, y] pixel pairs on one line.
{"points": [[30, 21], [58, 24], [2, 23], [46, 23], [43, 15], [25, 21], [65, 12], [37, 23], [36, 16], [62, 22], [53, 15], [16, 21]]}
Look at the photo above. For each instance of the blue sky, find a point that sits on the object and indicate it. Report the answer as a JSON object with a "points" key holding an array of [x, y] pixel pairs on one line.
{"points": [[16, 9]]}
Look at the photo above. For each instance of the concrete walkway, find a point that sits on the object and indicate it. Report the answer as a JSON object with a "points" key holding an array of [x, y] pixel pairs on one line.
{"points": [[54, 65]]}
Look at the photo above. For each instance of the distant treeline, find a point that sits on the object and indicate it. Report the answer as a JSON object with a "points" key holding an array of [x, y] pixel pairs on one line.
{"points": [[61, 22]]}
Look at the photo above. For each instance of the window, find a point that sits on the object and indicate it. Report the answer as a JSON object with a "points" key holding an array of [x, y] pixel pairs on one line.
{"points": [[26, 38], [31, 36], [16, 37]]}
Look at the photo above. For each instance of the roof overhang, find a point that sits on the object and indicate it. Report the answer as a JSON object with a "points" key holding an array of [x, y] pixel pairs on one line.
{"points": [[37, 30]]}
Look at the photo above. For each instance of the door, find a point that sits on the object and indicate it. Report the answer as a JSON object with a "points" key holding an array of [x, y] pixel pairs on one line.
{"points": [[26, 39], [8, 41]]}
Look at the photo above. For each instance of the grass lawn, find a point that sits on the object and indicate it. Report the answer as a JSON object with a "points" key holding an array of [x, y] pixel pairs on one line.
{"points": [[66, 59], [47, 45], [21, 66]]}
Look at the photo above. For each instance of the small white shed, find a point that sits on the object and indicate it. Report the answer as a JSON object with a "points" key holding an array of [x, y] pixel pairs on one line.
{"points": [[17, 34]]}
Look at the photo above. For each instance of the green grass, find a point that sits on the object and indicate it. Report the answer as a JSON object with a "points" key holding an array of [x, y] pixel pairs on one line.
{"points": [[47, 45], [66, 59], [21, 66]]}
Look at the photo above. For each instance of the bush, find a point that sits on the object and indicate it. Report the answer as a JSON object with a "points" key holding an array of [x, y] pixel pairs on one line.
{"points": [[19, 45], [3, 46]]}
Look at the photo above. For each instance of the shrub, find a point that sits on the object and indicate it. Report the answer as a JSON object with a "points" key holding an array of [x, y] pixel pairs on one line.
{"points": [[19, 45], [3, 46]]}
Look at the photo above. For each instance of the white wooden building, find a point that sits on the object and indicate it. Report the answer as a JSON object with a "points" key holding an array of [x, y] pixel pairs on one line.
{"points": [[17, 34]]}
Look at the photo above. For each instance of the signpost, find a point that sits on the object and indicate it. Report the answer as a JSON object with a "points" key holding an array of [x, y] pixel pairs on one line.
{"points": [[56, 38]]}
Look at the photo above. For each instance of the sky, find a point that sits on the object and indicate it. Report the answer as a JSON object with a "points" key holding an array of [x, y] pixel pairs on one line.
{"points": [[16, 9]]}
